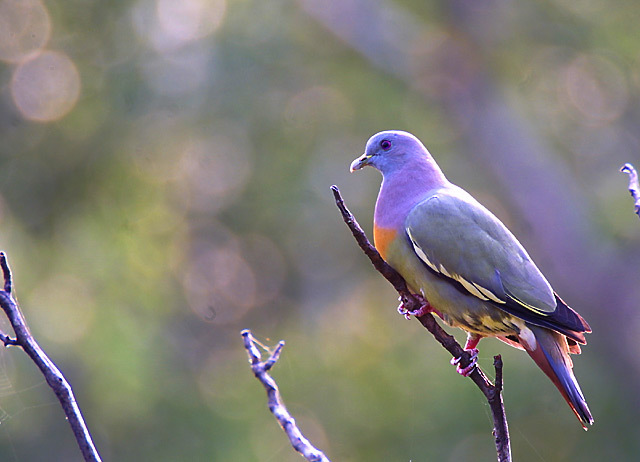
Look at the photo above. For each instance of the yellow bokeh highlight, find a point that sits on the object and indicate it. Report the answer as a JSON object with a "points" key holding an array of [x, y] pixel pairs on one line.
{"points": [[65, 308]]}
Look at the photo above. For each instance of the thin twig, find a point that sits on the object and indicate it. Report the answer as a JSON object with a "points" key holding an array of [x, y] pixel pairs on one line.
{"points": [[497, 410], [52, 374], [276, 405], [7, 340], [634, 188], [412, 302]]}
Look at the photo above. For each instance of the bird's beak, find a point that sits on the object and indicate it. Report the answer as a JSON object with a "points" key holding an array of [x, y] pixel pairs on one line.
{"points": [[360, 162]]}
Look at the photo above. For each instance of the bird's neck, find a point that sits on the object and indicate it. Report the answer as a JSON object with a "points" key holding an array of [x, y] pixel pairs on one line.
{"points": [[402, 189]]}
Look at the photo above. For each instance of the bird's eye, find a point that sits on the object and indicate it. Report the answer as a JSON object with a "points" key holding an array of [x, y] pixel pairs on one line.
{"points": [[385, 145]]}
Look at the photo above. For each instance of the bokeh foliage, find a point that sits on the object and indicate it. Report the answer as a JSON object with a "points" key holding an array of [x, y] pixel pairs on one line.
{"points": [[164, 182]]}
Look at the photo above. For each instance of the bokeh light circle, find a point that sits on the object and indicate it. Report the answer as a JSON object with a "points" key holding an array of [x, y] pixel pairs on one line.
{"points": [[189, 20], [25, 27], [45, 87], [213, 170], [596, 87], [168, 25]]}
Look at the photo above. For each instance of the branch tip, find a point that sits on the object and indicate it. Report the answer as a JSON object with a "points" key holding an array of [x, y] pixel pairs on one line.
{"points": [[250, 345], [497, 365], [6, 272], [275, 356], [8, 341], [634, 187]]}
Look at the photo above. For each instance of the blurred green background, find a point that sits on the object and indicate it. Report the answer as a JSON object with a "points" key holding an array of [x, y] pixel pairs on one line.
{"points": [[164, 183]]}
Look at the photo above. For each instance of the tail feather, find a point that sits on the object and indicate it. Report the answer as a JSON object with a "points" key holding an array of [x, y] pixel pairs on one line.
{"points": [[551, 354]]}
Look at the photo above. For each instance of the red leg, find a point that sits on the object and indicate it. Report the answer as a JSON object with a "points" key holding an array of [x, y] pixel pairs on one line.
{"points": [[472, 341]]}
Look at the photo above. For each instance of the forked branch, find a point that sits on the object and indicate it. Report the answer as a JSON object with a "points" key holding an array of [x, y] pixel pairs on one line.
{"points": [[276, 405], [52, 374]]}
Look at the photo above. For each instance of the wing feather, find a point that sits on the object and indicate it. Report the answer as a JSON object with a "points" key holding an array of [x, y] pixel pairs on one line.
{"points": [[459, 239]]}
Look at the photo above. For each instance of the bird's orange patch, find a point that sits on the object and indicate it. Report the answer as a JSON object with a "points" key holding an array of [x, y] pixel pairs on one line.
{"points": [[382, 237]]}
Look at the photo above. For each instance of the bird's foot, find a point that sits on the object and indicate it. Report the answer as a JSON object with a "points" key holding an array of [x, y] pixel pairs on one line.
{"points": [[425, 308], [473, 362]]}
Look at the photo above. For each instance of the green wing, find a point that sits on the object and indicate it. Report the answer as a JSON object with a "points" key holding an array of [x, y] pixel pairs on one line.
{"points": [[458, 239]]}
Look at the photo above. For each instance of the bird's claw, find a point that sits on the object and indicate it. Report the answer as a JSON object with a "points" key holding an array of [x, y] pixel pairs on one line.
{"points": [[473, 362], [403, 311], [424, 309]]}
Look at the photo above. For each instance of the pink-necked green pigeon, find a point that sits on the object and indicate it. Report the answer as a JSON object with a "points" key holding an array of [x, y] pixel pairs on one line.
{"points": [[469, 266]]}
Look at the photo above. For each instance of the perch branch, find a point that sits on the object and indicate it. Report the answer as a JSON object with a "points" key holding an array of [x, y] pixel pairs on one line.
{"points": [[52, 374], [412, 302], [276, 405], [634, 188]]}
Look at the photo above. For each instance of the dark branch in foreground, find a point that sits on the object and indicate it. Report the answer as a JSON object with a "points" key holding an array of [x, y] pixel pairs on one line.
{"points": [[52, 374], [413, 302], [634, 188], [276, 406]]}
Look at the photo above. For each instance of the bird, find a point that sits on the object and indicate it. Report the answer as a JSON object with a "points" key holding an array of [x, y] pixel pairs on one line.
{"points": [[473, 272]]}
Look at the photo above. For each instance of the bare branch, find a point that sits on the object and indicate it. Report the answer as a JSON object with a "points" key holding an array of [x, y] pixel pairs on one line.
{"points": [[634, 188], [276, 405], [412, 302], [503, 445], [52, 374]]}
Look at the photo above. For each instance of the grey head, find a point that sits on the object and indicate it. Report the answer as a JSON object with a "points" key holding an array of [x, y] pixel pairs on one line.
{"points": [[394, 150]]}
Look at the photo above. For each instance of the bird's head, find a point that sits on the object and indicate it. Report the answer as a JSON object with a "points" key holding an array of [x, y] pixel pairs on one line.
{"points": [[389, 150]]}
